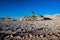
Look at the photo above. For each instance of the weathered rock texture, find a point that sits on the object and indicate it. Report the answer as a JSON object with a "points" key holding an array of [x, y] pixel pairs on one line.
{"points": [[30, 30]]}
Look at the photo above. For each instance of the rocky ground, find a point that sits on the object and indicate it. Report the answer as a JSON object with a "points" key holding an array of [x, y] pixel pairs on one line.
{"points": [[30, 30]]}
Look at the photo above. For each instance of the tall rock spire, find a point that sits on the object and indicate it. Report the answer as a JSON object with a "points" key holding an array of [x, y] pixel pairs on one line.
{"points": [[32, 13]]}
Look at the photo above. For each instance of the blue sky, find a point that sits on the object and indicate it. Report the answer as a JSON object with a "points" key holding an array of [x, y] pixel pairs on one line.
{"points": [[19, 8]]}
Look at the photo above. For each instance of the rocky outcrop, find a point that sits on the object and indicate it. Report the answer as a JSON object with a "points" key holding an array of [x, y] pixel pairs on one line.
{"points": [[54, 17]]}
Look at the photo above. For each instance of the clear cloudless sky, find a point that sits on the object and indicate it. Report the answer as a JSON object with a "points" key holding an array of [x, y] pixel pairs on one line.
{"points": [[19, 8]]}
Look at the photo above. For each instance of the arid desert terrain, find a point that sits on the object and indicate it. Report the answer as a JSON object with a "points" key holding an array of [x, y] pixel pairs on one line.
{"points": [[30, 30]]}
